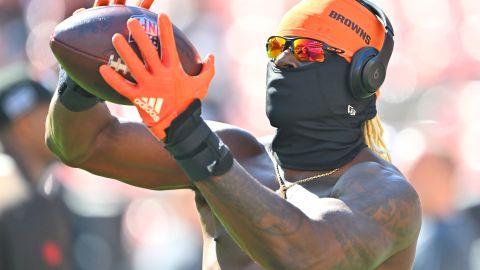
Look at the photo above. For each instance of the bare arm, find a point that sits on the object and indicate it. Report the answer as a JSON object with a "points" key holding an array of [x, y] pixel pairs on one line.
{"points": [[375, 215], [98, 142]]}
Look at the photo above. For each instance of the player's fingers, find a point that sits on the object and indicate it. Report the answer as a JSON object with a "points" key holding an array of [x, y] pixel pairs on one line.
{"points": [[149, 51], [146, 3], [117, 82], [208, 67], [134, 64], [206, 75], [98, 3], [167, 41], [119, 2]]}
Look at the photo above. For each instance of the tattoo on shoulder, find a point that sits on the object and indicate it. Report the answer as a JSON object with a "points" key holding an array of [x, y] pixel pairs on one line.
{"points": [[393, 205]]}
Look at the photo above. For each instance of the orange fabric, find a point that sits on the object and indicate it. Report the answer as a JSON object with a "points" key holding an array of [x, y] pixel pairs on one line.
{"points": [[344, 24]]}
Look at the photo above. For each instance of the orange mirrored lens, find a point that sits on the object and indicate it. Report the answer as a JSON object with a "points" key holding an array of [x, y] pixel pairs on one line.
{"points": [[275, 46], [304, 49], [308, 50]]}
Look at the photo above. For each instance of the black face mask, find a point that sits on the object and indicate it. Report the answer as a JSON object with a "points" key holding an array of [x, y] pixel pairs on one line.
{"points": [[318, 121]]}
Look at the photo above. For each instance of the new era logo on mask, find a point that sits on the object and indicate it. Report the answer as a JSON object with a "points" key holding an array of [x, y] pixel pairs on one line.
{"points": [[152, 106], [351, 110]]}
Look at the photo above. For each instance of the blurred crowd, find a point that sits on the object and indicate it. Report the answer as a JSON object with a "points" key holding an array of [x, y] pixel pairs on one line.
{"points": [[429, 105]]}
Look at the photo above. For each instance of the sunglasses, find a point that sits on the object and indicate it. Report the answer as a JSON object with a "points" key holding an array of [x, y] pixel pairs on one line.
{"points": [[304, 49]]}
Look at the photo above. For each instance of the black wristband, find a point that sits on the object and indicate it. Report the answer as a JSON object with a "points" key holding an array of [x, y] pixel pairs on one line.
{"points": [[198, 151], [72, 96]]}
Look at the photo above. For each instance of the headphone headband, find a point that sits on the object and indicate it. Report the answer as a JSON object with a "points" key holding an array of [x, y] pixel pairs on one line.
{"points": [[387, 47], [369, 65], [379, 13]]}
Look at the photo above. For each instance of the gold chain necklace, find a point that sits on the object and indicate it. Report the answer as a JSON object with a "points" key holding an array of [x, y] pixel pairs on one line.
{"points": [[282, 190]]}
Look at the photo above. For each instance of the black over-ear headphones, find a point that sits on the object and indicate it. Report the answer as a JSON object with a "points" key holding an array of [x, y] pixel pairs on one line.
{"points": [[369, 66]]}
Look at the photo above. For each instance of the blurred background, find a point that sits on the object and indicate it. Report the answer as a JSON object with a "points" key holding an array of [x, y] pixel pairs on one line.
{"points": [[430, 107]]}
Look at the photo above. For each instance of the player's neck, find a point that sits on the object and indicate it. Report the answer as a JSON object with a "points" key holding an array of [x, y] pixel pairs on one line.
{"points": [[292, 175]]}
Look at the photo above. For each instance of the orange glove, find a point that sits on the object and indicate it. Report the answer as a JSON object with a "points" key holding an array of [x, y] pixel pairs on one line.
{"points": [[141, 3], [163, 89], [98, 3]]}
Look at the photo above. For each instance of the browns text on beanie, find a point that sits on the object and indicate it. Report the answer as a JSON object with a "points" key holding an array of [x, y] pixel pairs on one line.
{"points": [[344, 24]]}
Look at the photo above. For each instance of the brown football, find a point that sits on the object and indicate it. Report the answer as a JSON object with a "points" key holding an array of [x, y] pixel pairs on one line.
{"points": [[83, 42]]}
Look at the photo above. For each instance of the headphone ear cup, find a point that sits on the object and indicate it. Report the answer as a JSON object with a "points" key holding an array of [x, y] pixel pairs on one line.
{"points": [[360, 73]]}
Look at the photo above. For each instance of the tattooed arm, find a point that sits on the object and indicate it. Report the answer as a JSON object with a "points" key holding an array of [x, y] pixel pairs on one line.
{"points": [[375, 214]]}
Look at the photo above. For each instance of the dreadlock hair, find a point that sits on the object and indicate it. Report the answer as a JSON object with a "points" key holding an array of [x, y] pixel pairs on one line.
{"points": [[373, 133]]}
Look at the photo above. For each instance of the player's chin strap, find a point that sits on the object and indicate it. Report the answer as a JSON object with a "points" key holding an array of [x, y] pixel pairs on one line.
{"points": [[72, 96], [198, 151]]}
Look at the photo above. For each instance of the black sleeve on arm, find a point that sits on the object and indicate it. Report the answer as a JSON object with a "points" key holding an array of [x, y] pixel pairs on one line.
{"points": [[197, 150], [72, 96]]}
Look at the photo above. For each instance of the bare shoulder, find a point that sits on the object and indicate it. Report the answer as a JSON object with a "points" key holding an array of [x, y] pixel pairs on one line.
{"points": [[240, 142], [380, 192]]}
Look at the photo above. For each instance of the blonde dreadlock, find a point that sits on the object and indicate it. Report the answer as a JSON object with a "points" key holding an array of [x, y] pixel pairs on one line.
{"points": [[373, 132]]}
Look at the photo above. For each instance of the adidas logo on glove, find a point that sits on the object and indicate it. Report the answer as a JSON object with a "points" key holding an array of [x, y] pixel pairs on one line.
{"points": [[152, 106]]}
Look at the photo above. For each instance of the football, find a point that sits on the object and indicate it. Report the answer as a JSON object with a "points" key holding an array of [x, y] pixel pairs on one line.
{"points": [[83, 42]]}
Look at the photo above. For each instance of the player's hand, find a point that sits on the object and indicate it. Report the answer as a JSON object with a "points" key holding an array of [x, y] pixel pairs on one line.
{"points": [[139, 3], [163, 89], [146, 4]]}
